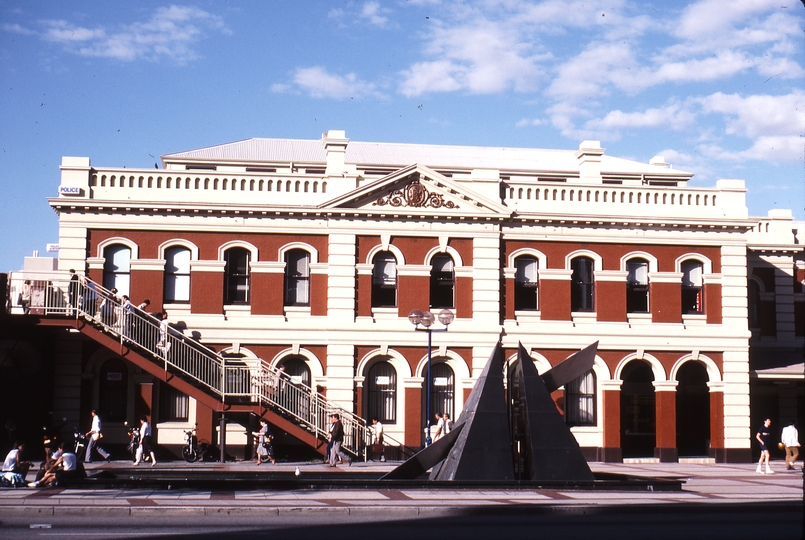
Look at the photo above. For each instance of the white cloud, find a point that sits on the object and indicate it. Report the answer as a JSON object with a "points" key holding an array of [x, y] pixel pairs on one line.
{"points": [[775, 124], [318, 83], [372, 12], [171, 33], [17, 29], [674, 116], [528, 122], [481, 57]]}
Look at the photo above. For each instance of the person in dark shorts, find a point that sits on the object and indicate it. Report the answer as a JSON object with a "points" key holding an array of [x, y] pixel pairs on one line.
{"points": [[145, 442], [763, 436]]}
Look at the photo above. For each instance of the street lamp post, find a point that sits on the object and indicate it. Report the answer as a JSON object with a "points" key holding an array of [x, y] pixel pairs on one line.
{"points": [[426, 319]]}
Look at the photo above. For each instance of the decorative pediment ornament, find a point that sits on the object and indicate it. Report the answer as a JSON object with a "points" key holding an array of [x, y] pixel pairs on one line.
{"points": [[415, 195]]}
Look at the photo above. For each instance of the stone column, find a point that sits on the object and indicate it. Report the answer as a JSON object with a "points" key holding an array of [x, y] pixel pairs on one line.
{"points": [[716, 450]]}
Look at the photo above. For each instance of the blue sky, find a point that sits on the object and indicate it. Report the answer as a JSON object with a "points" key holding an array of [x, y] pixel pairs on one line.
{"points": [[716, 87]]}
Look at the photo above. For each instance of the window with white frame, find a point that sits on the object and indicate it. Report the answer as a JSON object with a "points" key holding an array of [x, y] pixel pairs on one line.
{"points": [[297, 278], [442, 282], [580, 401], [174, 406], [236, 276], [582, 292], [381, 392], [526, 283], [177, 275], [117, 268], [637, 289], [384, 280], [692, 287]]}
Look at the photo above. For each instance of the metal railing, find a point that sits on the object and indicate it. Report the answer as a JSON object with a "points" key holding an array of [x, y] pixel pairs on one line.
{"points": [[86, 300]]}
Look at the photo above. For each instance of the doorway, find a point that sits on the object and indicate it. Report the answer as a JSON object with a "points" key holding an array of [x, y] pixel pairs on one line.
{"points": [[638, 411], [692, 410]]}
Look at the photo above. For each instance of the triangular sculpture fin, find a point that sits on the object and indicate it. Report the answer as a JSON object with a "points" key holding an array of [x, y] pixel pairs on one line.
{"points": [[483, 449], [549, 449], [430, 456]]}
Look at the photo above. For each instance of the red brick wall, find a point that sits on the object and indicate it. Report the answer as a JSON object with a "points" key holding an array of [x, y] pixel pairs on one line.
{"points": [[666, 302], [610, 301], [665, 405], [712, 303], [554, 301], [207, 292], [267, 294]]}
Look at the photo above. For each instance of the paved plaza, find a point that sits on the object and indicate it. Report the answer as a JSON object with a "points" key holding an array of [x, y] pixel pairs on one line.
{"points": [[703, 484], [716, 501]]}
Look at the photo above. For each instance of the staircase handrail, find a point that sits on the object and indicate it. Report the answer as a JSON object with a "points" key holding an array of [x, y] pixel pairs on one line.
{"points": [[91, 302]]}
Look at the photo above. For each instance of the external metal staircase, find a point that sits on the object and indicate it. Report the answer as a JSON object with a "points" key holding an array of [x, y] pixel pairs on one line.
{"points": [[191, 367]]}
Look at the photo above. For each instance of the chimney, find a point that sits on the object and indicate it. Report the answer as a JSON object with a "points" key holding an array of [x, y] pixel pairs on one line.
{"points": [[589, 157]]}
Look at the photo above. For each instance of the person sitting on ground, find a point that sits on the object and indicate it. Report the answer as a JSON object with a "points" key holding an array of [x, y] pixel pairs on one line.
{"points": [[13, 463], [65, 468]]}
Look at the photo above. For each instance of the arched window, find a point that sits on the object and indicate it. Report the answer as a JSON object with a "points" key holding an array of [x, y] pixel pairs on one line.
{"points": [[637, 286], [582, 293], [177, 275], [384, 281], [113, 390], [442, 390], [297, 278], [381, 392], [236, 276], [526, 283], [692, 287], [442, 282], [116, 268], [580, 401], [297, 371]]}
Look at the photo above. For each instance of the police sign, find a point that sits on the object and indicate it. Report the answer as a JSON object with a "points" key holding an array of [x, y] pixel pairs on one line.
{"points": [[70, 190]]}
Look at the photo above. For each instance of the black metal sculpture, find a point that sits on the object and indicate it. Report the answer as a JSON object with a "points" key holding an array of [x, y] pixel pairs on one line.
{"points": [[520, 438]]}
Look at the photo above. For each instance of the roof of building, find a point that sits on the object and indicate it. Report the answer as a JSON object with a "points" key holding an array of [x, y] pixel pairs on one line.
{"points": [[401, 154]]}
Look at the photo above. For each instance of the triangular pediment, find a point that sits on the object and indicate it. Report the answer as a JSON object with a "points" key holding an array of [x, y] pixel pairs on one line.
{"points": [[417, 188]]}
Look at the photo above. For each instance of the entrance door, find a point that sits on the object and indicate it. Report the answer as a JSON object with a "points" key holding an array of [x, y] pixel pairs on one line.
{"points": [[692, 410], [638, 415]]}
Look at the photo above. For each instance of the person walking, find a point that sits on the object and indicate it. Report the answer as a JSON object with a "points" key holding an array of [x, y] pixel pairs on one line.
{"points": [[145, 442], [790, 439], [337, 436], [763, 434], [377, 439], [93, 436], [265, 450], [73, 292]]}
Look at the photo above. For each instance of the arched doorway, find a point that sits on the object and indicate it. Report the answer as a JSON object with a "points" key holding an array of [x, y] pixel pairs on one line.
{"points": [[692, 410], [638, 414], [442, 392]]}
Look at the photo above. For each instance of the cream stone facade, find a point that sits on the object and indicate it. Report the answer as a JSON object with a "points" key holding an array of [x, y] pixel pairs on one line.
{"points": [[311, 253]]}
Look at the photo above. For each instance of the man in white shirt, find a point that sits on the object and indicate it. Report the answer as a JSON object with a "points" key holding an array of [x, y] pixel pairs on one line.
{"points": [[790, 439], [93, 436], [377, 439]]}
